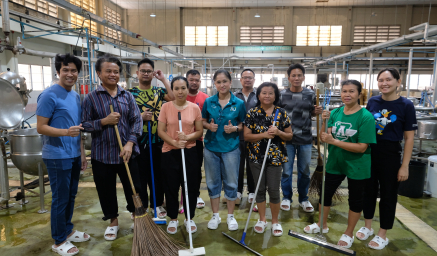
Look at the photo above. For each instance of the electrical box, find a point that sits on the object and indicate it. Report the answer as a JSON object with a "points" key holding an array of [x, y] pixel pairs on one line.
{"points": [[285, 82]]}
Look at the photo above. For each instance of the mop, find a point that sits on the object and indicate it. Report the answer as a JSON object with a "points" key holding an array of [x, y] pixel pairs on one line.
{"points": [[320, 239], [156, 219], [191, 251], [241, 242]]}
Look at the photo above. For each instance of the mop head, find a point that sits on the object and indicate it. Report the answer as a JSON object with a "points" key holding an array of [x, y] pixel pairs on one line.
{"points": [[322, 243], [196, 251], [149, 239]]}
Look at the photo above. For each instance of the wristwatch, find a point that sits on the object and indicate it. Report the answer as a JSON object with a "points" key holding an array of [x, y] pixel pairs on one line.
{"points": [[237, 128]]}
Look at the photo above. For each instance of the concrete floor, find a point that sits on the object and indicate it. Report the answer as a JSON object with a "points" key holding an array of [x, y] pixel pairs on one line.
{"points": [[25, 232]]}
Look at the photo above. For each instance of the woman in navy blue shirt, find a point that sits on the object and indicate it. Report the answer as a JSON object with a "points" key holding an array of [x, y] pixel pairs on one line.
{"points": [[395, 120]]}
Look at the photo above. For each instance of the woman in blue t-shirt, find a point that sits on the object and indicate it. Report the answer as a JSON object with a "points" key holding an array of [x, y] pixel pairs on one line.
{"points": [[395, 120]]}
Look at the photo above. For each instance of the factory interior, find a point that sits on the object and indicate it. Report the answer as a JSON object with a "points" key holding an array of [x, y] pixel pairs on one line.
{"points": [[334, 40]]}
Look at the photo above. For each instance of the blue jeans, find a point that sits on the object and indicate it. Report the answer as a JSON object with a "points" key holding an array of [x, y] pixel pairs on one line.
{"points": [[222, 168], [64, 179], [303, 171]]}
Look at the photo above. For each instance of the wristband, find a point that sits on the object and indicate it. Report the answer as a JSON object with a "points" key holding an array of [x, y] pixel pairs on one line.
{"points": [[237, 128]]}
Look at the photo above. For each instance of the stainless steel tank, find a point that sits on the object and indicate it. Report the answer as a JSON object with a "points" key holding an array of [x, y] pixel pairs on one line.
{"points": [[86, 137], [26, 150], [13, 100], [427, 129]]}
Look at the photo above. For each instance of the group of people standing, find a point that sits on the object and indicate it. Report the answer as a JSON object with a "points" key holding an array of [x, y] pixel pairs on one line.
{"points": [[238, 126]]}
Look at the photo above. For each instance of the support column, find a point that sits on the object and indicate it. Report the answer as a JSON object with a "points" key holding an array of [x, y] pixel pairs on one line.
{"points": [[410, 64], [369, 83]]}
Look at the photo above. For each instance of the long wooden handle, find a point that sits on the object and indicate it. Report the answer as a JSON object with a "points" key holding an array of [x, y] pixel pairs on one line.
{"points": [[121, 149], [318, 125]]}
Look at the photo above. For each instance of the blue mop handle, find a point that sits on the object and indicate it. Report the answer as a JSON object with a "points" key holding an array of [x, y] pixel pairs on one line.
{"points": [[259, 181], [151, 167], [187, 202]]}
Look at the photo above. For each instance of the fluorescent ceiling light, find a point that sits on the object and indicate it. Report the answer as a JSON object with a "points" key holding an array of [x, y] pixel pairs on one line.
{"points": [[153, 15], [257, 15]]}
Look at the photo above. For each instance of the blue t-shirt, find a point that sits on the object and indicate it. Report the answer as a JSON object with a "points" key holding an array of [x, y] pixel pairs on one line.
{"points": [[220, 141], [392, 118], [63, 109]]}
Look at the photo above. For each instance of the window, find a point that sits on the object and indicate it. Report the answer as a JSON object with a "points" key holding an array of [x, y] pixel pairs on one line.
{"points": [[40, 6], [375, 34], [113, 17], [318, 35], [77, 20], [262, 35], [206, 35], [37, 77]]}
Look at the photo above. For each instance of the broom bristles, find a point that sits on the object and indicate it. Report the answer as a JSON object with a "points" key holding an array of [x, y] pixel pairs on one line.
{"points": [[149, 239], [315, 187]]}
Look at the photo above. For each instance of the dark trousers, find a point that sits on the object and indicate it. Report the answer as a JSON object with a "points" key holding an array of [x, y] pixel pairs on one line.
{"points": [[105, 178], [355, 187], [145, 173], [270, 181], [244, 159], [64, 179], [386, 161], [174, 178], [199, 148]]}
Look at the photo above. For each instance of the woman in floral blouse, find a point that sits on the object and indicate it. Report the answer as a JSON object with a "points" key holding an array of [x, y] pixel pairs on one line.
{"points": [[259, 129]]}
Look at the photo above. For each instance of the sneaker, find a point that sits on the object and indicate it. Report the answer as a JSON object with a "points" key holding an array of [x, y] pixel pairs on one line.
{"points": [[232, 224], [214, 222]]}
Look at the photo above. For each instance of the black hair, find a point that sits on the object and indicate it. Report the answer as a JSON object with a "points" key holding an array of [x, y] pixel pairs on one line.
{"points": [[267, 84], [354, 82], [394, 72], [110, 59], [222, 71], [148, 61], [248, 69], [65, 59], [178, 78], [295, 66], [192, 72]]}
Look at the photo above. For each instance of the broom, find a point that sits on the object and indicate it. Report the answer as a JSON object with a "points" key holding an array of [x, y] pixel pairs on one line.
{"points": [[317, 177], [149, 239]]}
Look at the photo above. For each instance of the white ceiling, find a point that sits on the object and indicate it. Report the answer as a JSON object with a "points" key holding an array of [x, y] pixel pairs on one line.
{"points": [[172, 4]]}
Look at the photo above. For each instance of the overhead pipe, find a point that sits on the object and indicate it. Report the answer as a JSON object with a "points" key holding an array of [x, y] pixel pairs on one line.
{"points": [[435, 79], [400, 40], [84, 13], [410, 64], [370, 77], [5, 20]]}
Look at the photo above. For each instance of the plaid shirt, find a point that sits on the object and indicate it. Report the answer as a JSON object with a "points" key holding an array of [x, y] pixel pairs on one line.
{"points": [[104, 146]]}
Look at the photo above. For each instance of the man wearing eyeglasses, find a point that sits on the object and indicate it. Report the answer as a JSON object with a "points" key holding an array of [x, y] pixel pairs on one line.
{"points": [[149, 100], [248, 95]]}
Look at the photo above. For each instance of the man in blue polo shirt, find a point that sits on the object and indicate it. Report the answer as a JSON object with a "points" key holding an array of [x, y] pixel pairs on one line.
{"points": [[59, 120]]}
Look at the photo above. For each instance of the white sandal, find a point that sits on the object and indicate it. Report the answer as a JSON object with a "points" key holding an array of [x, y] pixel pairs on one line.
{"points": [[285, 202], [262, 225], [381, 243], [160, 210], [366, 232], [188, 227], [64, 248], [214, 222], [314, 229], [78, 237], [111, 231], [276, 227], [251, 197], [255, 208], [232, 224], [173, 224], [305, 205], [349, 241], [200, 203]]}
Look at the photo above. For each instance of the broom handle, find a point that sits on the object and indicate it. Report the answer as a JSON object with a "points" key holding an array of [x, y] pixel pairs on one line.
{"points": [[149, 129], [121, 149], [187, 202], [323, 179], [318, 125], [259, 180]]}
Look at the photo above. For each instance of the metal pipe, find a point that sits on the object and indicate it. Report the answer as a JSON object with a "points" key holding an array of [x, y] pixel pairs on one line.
{"points": [[435, 78], [334, 82], [4, 177], [410, 64], [370, 76], [6, 23], [89, 59], [415, 48], [41, 189]]}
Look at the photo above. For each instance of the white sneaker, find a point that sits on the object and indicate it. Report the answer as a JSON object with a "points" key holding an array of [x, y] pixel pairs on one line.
{"points": [[214, 222], [232, 224]]}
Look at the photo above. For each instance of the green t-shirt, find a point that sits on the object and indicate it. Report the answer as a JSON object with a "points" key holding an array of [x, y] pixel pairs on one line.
{"points": [[358, 127]]}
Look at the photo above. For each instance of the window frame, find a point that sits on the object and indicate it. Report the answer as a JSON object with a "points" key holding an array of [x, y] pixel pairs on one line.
{"points": [[374, 34], [198, 35], [35, 5], [262, 35], [316, 33], [114, 17]]}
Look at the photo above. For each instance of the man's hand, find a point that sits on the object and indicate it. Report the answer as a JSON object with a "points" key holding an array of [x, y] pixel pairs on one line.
{"points": [[318, 110], [212, 126], [159, 75], [126, 153], [111, 119], [229, 128], [74, 131], [84, 164], [147, 115]]}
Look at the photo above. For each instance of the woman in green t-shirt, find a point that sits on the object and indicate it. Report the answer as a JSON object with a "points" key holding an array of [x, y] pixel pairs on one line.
{"points": [[350, 131]]}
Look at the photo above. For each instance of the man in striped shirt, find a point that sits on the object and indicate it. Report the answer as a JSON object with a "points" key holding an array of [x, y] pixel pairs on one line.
{"points": [[106, 159]]}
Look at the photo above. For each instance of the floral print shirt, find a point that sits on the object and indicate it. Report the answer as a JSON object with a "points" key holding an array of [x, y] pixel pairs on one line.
{"points": [[258, 122]]}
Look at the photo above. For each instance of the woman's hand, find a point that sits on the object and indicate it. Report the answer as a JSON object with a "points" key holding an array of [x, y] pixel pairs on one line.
{"points": [[229, 128], [212, 126], [182, 136], [326, 114], [327, 138], [180, 144], [273, 130], [403, 173], [267, 135]]}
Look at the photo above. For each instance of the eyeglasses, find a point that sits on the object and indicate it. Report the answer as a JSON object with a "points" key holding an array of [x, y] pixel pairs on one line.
{"points": [[247, 78], [142, 71]]}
